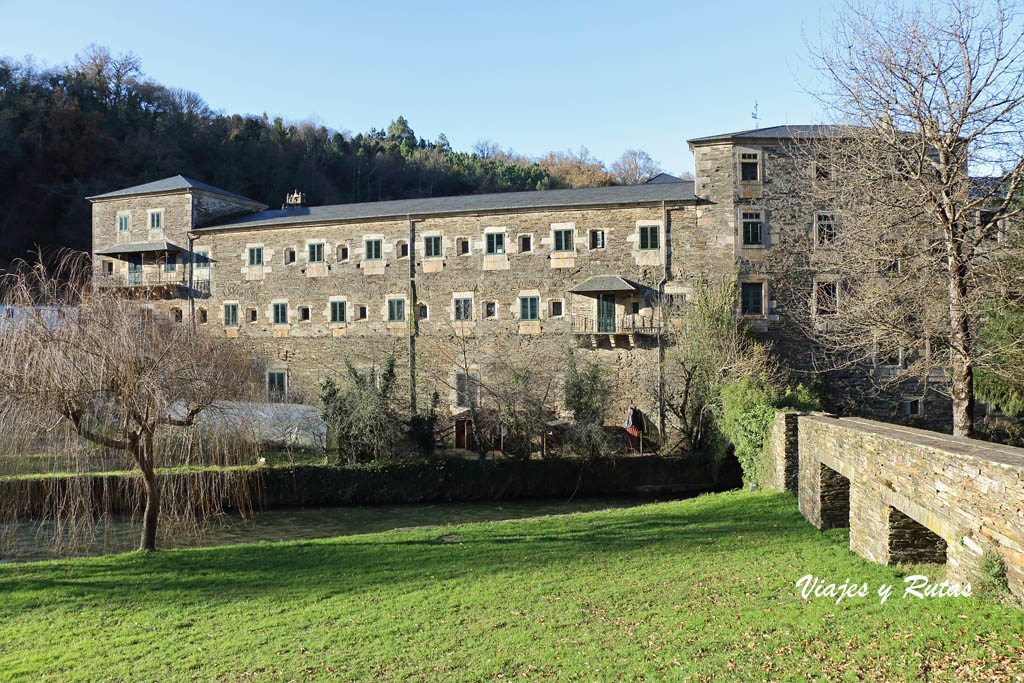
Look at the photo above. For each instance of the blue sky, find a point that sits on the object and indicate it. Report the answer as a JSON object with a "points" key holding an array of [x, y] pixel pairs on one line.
{"points": [[531, 76]]}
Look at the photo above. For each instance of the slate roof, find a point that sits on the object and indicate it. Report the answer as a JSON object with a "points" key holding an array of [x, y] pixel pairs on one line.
{"points": [[590, 196], [140, 247], [663, 178], [178, 182], [804, 132], [606, 283]]}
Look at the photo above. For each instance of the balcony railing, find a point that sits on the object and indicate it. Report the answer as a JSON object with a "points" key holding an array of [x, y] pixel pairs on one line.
{"points": [[624, 324], [146, 278]]}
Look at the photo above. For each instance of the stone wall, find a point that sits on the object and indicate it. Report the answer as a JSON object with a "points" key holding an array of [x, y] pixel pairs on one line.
{"points": [[782, 453], [495, 341], [910, 495]]}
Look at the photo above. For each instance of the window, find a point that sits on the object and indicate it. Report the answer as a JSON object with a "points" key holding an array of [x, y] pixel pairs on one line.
{"points": [[202, 259], [463, 245], [337, 311], [490, 310], [649, 237], [465, 388], [495, 243], [525, 244], [316, 252], [556, 309], [751, 298], [171, 263], [123, 222], [230, 315], [749, 167], [636, 308], [201, 315], [255, 256], [252, 315], [422, 312], [825, 298], [463, 309], [597, 239], [342, 253], [752, 228], [289, 256], [825, 228], [176, 314], [402, 247], [913, 407], [277, 385], [280, 314], [564, 240], [432, 246], [304, 313], [528, 308], [108, 267], [396, 310], [360, 312], [156, 220], [373, 250]]}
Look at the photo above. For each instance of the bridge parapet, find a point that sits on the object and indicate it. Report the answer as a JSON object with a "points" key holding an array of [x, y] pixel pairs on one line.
{"points": [[908, 495]]}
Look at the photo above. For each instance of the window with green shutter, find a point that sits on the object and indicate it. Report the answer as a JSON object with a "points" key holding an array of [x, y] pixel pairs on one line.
{"points": [[495, 243], [316, 252], [255, 256], [564, 240], [396, 310], [230, 315], [277, 385], [649, 237], [123, 223], [528, 307], [751, 298], [432, 246], [373, 250], [463, 309], [752, 232], [337, 311], [280, 314]]}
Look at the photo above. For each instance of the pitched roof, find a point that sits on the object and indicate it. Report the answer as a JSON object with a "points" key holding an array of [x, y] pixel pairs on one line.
{"points": [[178, 182], [140, 247], [771, 133], [663, 178], [474, 203], [606, 283]]}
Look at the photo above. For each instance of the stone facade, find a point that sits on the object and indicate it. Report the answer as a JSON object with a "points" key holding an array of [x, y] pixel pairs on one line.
{"points": [[312, 288], [910, 495]]}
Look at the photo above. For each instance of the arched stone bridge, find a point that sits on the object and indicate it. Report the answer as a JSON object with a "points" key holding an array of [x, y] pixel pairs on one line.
{"points": [[908, 495]]}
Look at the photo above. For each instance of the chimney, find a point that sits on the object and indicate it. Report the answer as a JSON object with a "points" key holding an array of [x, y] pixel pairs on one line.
{"points": [[293, 200]]}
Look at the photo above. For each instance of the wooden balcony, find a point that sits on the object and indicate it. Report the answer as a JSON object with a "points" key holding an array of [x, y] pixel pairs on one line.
{"points": [[144, 279], [614, 332]]}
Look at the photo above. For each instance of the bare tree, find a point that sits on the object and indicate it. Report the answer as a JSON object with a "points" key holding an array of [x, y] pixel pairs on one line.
{"points": [[634, 167], [94, 365], [922, 96], [707, 346]]}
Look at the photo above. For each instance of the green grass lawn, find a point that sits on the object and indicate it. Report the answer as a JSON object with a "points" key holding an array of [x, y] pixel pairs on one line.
{"points": [[698, 589]]}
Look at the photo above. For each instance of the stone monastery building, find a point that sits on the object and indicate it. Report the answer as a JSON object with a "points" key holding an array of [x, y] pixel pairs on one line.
{"points": [[469, 287]]}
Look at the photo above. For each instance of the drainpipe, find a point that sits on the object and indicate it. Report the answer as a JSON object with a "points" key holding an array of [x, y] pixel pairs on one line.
{"points": [[665, 274], [191, 297], [412, 315]]}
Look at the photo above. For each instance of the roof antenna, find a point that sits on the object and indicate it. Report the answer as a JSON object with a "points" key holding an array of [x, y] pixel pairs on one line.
{"points": [[753, 115]]}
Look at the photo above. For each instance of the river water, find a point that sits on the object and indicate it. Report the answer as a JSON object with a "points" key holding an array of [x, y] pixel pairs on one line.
{"points": [[31, 541]]}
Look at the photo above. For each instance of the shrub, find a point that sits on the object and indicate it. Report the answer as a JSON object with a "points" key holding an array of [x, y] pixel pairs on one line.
{"points": [[362, 419], [748, 411], [587, 392]]}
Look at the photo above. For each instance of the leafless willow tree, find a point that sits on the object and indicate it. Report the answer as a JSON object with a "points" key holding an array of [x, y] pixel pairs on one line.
{"points": [[922, 96], [89, 371]]}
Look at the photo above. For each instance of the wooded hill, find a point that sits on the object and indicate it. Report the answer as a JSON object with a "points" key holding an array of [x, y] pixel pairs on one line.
{"points": [[99, 124]]}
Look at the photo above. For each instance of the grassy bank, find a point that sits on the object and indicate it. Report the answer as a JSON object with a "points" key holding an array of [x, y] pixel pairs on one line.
{"points": [[699, 588]]}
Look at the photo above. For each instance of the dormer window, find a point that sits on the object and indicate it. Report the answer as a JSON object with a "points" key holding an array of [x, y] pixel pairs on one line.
{"points": [[750, 164]]}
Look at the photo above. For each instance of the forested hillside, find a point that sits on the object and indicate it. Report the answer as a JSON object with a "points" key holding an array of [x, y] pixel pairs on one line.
{"points": [[99, 124]]}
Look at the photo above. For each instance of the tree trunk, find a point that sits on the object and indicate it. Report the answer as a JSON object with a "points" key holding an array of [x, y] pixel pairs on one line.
{"points": [[961, 344], [152, 513]]}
